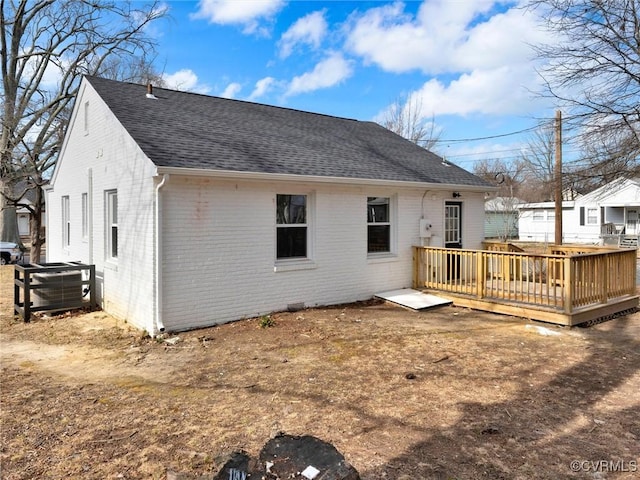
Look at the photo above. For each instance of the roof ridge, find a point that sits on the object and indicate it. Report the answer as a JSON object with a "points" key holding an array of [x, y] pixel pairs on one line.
{"points": [[248, 102]]}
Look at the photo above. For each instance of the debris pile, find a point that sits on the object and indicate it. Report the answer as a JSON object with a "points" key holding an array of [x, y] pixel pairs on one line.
{"points": [[282, 457]]}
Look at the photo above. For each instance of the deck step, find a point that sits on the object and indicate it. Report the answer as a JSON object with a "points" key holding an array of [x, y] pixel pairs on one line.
{"points": [[628, 241]]}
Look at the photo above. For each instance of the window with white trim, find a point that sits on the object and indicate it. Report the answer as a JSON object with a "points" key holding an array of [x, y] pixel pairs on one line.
{"points": [[292, 227], [378, 225], [592, 216], [85, 215], [111, 200], [66, 222], [538, 215]]}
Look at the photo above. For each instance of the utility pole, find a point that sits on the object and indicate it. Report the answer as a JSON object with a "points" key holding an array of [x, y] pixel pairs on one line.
{"points": [[557, 177]]}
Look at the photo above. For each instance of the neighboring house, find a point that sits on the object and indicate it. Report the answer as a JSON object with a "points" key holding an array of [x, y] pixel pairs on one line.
{"points": [[501, 217], [24, 215], [199, 210], [609, 211]]}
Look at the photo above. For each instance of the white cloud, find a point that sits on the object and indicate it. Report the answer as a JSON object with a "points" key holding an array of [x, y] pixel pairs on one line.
{"points": [[234, 12], [262, 86], [231, 90], [444, 36], [501, 91], [185, 80], [309, 30], [476, 55], [329, 72]]}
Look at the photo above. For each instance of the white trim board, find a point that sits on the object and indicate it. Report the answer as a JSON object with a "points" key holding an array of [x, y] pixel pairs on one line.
{"points": [[407, 297]]}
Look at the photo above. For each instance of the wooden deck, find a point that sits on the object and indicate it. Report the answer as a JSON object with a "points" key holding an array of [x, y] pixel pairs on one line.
{"points": [[568, 286]]}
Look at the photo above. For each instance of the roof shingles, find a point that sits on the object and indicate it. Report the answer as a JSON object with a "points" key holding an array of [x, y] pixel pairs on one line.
{"points": [[181, 129]]}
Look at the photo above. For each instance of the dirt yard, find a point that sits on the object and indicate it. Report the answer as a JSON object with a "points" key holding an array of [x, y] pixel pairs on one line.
{"points": [[445, 394]]}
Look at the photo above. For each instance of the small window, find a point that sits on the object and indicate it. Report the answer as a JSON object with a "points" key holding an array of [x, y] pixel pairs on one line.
{"points": [[112, 225], [291, 226], [378, 225], [592, 216], [66, 222], [538, 216], [85, 216]]}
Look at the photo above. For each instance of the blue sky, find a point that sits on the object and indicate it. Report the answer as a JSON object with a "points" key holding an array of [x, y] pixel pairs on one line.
{"points": [[469, 62]]}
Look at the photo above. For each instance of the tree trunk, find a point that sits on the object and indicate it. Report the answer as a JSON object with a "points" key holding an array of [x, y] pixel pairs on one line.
{"points": [[35, 225]]}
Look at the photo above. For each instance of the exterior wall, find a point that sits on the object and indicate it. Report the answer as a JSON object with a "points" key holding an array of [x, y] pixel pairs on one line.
{"points": [[536, 228], [103, 158], [220, 256], [573, 232], [543, 230]]}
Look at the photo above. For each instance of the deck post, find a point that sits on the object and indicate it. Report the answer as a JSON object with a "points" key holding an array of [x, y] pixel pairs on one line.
{"points": [[567, 285], [481, 274], [604, 284], [93, 298], [416, 266], [27, 296]]}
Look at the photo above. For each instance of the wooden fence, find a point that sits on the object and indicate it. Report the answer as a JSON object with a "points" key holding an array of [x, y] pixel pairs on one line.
{"points": [[559, 281]]}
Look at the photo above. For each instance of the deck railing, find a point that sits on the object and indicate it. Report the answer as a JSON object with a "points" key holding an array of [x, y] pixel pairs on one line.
{"points": [[558, 281]]}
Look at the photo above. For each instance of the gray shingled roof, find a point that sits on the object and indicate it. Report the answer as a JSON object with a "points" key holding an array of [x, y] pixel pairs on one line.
{"points": [[181, 129]]}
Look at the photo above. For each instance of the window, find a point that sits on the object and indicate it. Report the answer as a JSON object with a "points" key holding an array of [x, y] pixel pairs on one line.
{"points": [[452, 224], [378, 225], [85, 215], [291, 226], [538, 215], [592, 216], [66, 222], [112, 224]]}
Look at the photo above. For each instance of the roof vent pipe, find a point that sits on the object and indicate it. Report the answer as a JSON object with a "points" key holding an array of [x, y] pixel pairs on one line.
{"points": [[150, 91]]}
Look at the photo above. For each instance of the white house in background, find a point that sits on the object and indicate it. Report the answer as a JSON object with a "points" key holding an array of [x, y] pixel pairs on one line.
{"points": [[23, 213], [199, 210], [610, 210], [501, 217]]}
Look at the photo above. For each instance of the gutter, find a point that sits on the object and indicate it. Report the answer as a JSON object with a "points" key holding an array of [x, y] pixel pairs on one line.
{"points": [[159, 290], [285, 177]]}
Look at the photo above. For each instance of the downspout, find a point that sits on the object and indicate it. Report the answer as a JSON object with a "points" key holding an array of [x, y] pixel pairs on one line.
{"points": [[158, 254]]}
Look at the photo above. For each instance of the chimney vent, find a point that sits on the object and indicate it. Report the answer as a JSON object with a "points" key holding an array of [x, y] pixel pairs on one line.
{"points": [[150, 91]]}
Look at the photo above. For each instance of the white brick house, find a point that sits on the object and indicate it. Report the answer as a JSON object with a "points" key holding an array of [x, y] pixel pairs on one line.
{"points": [[199, 210]]}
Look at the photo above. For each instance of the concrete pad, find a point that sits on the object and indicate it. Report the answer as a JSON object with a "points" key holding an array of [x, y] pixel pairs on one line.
{"points": [[408, 297]]}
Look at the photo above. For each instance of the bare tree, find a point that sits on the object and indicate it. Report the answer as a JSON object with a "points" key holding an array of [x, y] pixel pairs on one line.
{"points": [[600, 165], [508, 177], [593, 70], [538, 162], [46, 47], [405, 117]]}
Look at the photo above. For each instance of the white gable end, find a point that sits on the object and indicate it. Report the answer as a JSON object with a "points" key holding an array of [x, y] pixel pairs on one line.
{"points": [[99, 156]]}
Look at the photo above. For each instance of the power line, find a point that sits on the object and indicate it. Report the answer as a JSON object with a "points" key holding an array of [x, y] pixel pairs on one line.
{"points": [[489, 156], [529, 129], [489, 137]]}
